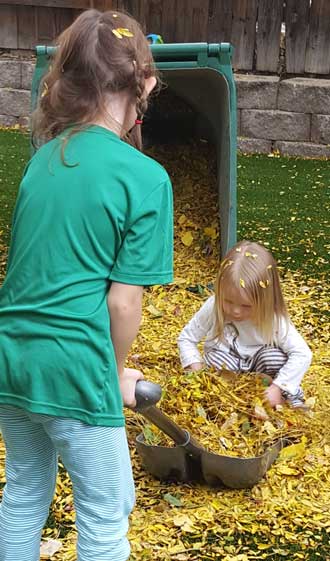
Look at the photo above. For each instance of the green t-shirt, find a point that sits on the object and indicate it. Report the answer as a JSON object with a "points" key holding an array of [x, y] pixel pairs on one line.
{"points": [[105, 216]]}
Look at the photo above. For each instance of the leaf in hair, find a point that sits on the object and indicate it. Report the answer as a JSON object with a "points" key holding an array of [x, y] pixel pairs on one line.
{"points": [[242, 283], [123, 32], [238, 249], [249, 254], [264, 284], [45, 90], [116, 33]]}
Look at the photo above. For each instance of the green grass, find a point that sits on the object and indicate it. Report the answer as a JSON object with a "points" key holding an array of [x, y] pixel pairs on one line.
{"points": [[282, 203], [14, 152]]}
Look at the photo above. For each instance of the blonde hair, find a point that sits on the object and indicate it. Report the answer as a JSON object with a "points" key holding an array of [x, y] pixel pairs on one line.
{"points": [[99, 54], [251, 269]]}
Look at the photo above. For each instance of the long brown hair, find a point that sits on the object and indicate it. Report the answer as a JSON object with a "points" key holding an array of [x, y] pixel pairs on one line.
{"points": [[251, 269], [99, 54]]}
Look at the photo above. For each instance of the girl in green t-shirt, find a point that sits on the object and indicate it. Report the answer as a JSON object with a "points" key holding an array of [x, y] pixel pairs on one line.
{"points": [[91, 227]]}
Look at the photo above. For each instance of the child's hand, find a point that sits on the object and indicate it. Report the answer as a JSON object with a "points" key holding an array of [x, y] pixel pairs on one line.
{"points": [[274, 395], [195, 366], [127, 381]]}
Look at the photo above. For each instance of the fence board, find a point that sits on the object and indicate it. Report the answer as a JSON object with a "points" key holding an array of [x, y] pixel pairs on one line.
{"points": [[243, 33], [167, 29], [269, 34], [318, 44], [103, 5], [78, 4], [26, 27], [191, 21], [63, 18], [24, 23], [220, 21], [45, 26], [8, 27], [154, 17], [296, 32]]}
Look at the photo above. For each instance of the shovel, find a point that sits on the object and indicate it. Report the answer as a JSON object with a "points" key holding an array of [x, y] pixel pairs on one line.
{"points": [[189, 460]]}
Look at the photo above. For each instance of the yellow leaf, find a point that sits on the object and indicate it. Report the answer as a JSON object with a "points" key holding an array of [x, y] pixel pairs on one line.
{"points": [[242, 283], [116, 33], [269, 428], [260, 412], [187, 239], [285, 470], [125, 32], [310, 402], [49, 548], [184, 522], [294, 451], [210, 232], [153, 311]]}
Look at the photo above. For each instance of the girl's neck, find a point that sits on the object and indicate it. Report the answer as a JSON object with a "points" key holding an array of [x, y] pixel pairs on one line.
{"points": [[118, 109]]}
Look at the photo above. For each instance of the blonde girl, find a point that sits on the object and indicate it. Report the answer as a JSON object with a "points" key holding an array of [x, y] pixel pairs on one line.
{"points": [[246, 326], [90, 212]]}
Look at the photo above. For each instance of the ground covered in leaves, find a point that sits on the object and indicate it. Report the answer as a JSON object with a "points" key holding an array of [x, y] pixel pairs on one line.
{"points": [[282, 203]]}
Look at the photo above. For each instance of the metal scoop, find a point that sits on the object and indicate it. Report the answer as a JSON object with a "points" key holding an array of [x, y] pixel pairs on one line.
{"points": [[189, 460]]}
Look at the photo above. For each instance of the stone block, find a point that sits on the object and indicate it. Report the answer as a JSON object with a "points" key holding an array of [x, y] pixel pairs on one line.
{"points": [[275, 125], [321, 129], [256, 92], [27, 73], [14, 102], [254, 146], [304, 95], [302, 149], [7, 121], [10, 74]]}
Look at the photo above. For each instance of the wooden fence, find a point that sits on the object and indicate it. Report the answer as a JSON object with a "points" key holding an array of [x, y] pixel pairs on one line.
{"points": [[260, 30]]}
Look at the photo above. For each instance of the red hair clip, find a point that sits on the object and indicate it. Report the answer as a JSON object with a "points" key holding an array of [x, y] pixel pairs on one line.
{"points": [[138, 121]]}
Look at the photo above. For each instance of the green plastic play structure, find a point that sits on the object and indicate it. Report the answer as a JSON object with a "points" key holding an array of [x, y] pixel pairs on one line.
{"points": [[201, 74]]}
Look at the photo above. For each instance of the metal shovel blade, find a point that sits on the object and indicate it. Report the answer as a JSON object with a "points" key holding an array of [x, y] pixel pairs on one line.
{"points": [[238, 473], [190, 461]]}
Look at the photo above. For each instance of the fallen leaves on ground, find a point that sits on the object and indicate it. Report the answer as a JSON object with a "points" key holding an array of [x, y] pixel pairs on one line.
{"points": [[286, 515]]}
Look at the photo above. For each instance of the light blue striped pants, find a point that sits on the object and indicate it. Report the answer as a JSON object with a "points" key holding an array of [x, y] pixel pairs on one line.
{"points": [[97, 460]]}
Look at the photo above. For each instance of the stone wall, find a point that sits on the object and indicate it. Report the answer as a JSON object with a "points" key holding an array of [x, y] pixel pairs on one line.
{"points": [[15, 85], [290, 116]]}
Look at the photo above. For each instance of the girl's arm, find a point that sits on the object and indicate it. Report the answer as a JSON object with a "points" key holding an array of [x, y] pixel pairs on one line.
{"points": [[125, 309], [197, 328], [299, 355]]}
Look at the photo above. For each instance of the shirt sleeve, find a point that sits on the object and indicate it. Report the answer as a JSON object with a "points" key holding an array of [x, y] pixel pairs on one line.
{"points": [[199, 326], [146, 253], [299, 356]]}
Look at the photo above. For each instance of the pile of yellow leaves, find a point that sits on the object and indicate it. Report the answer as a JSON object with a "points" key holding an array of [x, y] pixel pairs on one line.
{"points": [[228, 414], [286, 515]]}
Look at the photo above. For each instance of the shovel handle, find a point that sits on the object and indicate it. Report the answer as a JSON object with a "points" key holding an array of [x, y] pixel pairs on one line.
{"points": [[177, 434], [146, 394]]}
